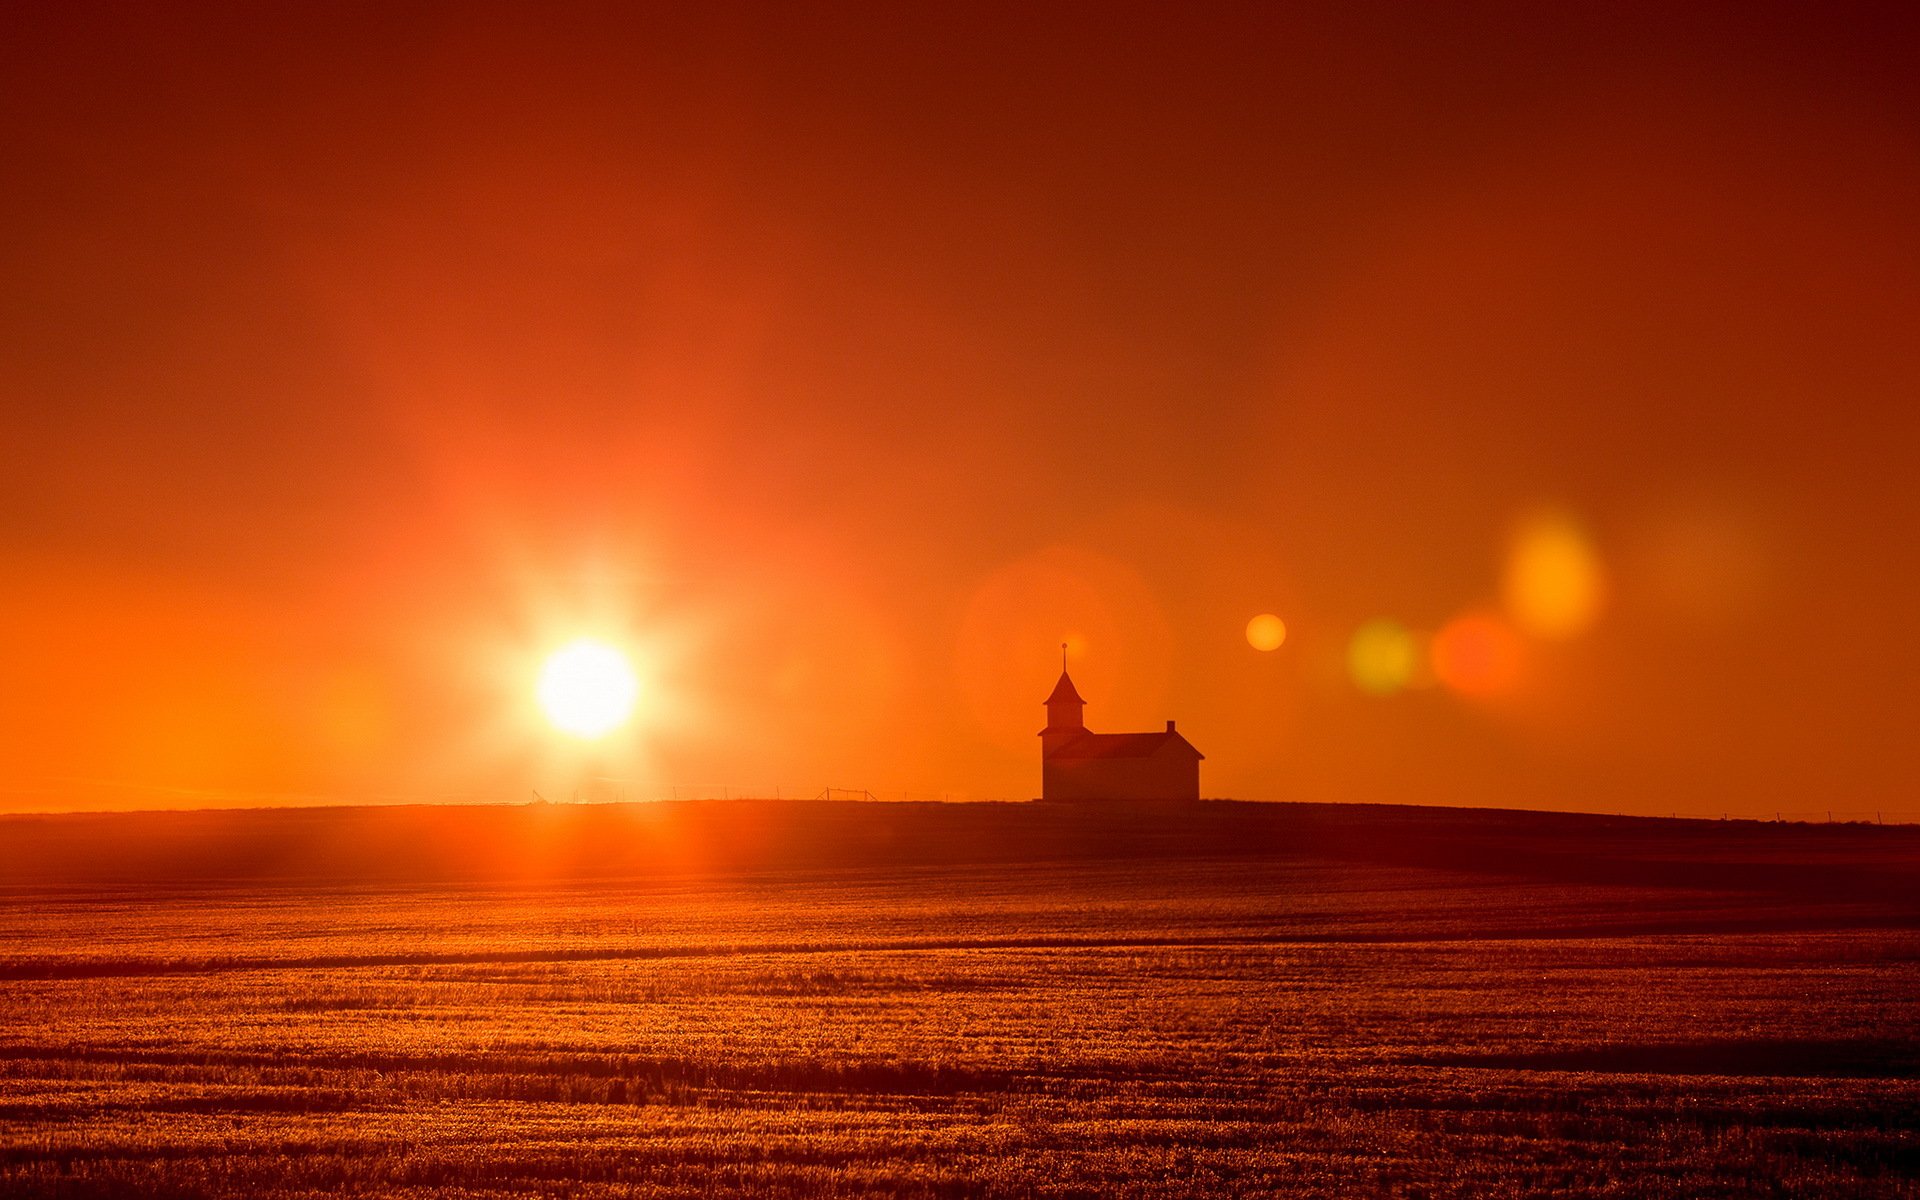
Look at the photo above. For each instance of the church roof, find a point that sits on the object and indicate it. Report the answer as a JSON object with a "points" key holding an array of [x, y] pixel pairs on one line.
{"points": [[1064, 691], [1121, 745]]}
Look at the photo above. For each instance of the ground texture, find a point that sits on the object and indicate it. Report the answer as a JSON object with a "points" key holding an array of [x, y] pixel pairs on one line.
{"points": [[1213, 1000]]}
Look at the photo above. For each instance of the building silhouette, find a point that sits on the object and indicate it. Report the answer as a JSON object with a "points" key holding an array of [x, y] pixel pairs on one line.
{"points": [[1076, 764]]}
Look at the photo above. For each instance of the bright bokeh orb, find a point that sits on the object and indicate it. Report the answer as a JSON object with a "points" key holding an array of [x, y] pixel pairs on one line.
{"points": [[587, 688], [1478, 655], [1266, 632], [1553, 586], [1382, 657]]}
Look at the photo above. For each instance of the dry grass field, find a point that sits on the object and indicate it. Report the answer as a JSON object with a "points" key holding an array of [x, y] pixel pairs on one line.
{"points": [[1009, 1000]]}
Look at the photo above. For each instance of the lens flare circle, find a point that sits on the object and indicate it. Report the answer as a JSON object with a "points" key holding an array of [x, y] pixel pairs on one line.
{"points": [[587, 688], [1554, 585], [1382, 657], [1478, 655], [1266, 632]]}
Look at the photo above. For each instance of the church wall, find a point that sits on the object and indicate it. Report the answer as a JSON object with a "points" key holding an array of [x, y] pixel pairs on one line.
{"points": [[1169, 775]]}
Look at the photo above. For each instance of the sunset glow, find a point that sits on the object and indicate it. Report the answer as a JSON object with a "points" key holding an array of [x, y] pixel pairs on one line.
{"points": [[356, 366], [1129, 600]]}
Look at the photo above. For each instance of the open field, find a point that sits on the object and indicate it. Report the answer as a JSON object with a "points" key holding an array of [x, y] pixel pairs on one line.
{"points": [[926, 1000]]}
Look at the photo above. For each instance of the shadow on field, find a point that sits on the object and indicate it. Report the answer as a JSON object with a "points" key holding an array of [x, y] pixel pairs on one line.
{"points": [[1833, 1058], [417, 845], [286, 1081]]}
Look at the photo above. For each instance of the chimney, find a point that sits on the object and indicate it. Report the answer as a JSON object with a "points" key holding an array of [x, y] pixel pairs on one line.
{"points": [[1169, 726]]}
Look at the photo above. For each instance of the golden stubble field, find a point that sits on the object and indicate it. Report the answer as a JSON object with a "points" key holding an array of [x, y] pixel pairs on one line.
{"points": [[1178, 1025]]}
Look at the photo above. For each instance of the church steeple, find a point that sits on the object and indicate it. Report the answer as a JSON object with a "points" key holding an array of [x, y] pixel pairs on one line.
{"points": [[1064, 705]]}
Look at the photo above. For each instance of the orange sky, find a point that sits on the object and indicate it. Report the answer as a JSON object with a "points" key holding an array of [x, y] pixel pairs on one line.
{"points": [[841, 365]]}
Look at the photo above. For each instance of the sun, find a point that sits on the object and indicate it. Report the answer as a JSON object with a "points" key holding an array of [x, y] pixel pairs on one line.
{"points": [[587, 688]]}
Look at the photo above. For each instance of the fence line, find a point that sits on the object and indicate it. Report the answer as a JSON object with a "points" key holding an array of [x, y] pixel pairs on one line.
{"points": [[610, 790]]}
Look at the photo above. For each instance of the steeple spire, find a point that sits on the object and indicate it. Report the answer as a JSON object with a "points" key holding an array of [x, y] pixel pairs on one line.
{"points": [[1064, 706]]}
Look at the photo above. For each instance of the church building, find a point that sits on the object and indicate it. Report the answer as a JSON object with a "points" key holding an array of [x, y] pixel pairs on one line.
{"points": [[1076, 764]]}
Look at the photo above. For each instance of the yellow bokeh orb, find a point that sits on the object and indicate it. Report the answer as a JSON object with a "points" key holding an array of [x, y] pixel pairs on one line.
{"points": [[587, 688], [1382, 657], [1266, 632], [1553, 586]]}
